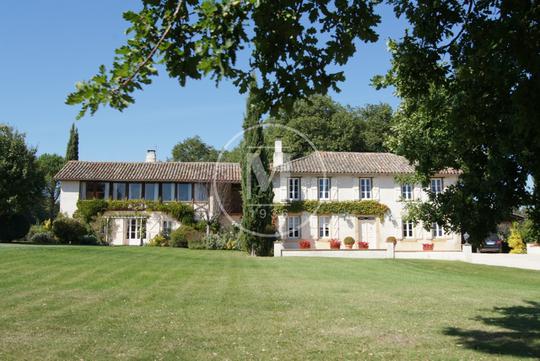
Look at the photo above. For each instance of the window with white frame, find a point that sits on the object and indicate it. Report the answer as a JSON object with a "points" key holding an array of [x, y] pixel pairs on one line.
{"points": [[294, 188], [166, 228], [437, 230], [365, 188], [436, 185], [408, 229], [136, 228], [324, 226], [293, 226], [324, 188], [407, 192]]}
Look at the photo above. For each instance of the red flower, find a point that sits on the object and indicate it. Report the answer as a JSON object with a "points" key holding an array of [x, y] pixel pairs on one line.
{"points": [[335, 244], [363, 245], [304, 244]]}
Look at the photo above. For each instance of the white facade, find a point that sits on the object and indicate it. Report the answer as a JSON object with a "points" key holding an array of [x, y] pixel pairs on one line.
{"points": [[369, 228]]}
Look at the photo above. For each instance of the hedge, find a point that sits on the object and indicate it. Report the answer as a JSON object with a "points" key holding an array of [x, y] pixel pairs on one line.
{"points": [[89, 209], [357, 208]]}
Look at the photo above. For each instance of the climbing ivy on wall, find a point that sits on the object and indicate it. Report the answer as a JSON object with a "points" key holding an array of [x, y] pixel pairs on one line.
{"points": [[89, 209], [358, 208]]}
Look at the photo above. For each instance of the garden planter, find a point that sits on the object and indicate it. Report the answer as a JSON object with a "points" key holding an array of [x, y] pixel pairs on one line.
{"points": [[363, 245], [427, 246], [335, 244], [348, 246]]}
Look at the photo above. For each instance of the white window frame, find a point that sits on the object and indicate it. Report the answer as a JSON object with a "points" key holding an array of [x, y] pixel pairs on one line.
{"points": [[293, 189], [166, 228], [407, 191], [407, 229], [437, 231], [436, 185], [293, 227], [366, 188], [323, 186], [324, 226], [134, 228]]}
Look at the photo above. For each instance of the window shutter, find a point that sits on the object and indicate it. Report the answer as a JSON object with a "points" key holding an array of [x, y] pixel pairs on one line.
{"points": [[375, 191], [313, 226], [417, 193], [397, 192]]}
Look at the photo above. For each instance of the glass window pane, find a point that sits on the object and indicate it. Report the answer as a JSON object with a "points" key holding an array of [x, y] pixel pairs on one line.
{"points": [[119, 191], [95, 190], [135, 191], [150, 193], [184, 192], [201, 192], [167, 192]]}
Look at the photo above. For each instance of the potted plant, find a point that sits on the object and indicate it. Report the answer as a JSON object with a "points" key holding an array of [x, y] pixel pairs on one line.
{"points": [[348, 242], [304, 244], [363, 245], [427, 246], [335, 244]]}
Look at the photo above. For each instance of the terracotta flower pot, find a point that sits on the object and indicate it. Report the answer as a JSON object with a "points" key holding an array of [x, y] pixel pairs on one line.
{"points": [[427, 246], [348, 246]]}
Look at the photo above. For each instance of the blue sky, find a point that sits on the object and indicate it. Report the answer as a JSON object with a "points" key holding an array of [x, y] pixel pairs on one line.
{"points": [[48, 46]]}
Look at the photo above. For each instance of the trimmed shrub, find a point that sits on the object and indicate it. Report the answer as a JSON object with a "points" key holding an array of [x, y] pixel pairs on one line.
{"points": [[159, 241], [43, 238], [181, 236], [68, 230], [348, 241], [35, 229], [215, 241], [89, 240]]}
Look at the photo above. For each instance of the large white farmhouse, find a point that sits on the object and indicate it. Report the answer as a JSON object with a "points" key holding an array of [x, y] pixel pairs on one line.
{"points": [[333, 177]]}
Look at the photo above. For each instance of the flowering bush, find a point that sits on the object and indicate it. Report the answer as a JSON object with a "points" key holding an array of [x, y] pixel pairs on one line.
{"points": [[427, 246], [363, 245], [304, 244], [335, 244]]}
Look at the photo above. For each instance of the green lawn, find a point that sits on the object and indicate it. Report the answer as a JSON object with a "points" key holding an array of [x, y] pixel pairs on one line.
{"points": [[91, 303]]}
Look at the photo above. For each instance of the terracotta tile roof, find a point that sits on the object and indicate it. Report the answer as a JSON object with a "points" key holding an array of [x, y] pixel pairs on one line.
{"points": [[150, 172], [352, 163]]}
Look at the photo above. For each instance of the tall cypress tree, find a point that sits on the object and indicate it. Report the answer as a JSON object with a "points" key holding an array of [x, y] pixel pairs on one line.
{"points": [[257, 194], [72, 151]]}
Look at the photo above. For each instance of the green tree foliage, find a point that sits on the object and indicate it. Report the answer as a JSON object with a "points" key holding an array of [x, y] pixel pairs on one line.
{"points": [[194, 150], [21, 184], [291, 45], [49, 165], [468, 73], [72, 151], [320, 122], [377, 119], [256, 196]]}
